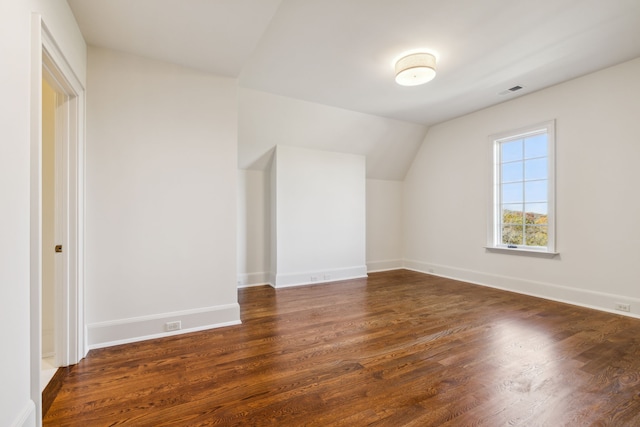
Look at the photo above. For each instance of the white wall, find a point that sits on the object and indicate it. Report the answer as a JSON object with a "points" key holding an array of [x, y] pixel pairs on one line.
{"points": [[161, 198], [597, 151], [253, 227], [15, 402], [320, 216], [384, 224], [384, 207]]}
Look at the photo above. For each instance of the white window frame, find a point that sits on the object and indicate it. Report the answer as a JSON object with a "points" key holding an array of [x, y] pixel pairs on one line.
{"points": [[494, 233]]}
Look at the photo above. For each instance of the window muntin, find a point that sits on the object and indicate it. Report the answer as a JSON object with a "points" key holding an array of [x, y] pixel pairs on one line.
{"points": [[523, 197]]}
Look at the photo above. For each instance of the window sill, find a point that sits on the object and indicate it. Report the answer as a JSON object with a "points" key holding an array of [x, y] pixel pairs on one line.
{"points": [[523, 252]]}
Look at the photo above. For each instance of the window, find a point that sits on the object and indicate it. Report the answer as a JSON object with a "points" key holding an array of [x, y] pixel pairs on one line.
{"points": [[522, 209]]}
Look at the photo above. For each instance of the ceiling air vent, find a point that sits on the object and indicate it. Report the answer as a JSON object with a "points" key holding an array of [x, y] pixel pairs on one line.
{"points": [[511, 90]]}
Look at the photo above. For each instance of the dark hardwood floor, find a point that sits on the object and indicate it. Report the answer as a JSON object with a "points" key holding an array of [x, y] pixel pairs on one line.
{"points": [[397, 349]]}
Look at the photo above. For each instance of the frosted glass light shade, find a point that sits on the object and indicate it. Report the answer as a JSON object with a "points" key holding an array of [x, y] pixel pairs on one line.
{"points": [[415, 69]]}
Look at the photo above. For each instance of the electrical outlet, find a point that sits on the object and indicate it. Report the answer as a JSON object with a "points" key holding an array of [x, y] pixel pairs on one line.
{"points": [[623, 307], [314, 278], [173, 326]]}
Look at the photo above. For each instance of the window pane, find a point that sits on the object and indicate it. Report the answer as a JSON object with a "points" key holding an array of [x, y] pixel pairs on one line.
{"points": [[511, 150], [537, 235], [532, 218], [535, 169], [512, 213], [512, 235], [512, 193], [535, 146], [538, 211], [535, 191], [512, 171]]}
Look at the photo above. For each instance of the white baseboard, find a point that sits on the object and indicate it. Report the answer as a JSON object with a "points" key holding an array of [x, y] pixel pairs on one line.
{"points": [[385, 265], [565, 294], [321, 276], [247, 280], [123, 331], [27, 417]]}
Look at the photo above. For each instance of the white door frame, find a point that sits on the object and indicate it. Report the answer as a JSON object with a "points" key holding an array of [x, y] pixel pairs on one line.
{"points": [[48, 61]]}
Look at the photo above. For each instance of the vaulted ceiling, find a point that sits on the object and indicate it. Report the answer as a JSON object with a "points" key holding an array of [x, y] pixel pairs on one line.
{"points": [[340, 53]]}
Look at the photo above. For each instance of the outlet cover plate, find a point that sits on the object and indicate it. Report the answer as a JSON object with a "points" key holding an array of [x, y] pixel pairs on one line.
{"points": [[620, 306], [173, 326]]}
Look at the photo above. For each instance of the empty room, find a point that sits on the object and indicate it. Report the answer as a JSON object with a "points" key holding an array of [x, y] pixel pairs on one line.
{"points": [[320, 213]]}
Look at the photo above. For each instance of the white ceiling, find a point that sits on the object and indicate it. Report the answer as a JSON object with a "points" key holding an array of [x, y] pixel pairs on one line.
{"points": [[216, 36], [340, 52]]}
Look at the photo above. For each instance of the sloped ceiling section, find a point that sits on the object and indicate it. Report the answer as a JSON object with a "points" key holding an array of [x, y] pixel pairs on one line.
{"points": [[266, 120], [340, 54]]}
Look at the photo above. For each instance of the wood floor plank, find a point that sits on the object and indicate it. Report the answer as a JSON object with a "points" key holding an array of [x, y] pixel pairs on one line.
{"points": [[399, 348]]}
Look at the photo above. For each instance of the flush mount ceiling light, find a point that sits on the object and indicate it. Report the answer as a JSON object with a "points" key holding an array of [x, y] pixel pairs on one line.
{"points": [[415, 69]]}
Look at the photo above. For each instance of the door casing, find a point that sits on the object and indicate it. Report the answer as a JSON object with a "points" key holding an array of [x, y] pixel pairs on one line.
{"points": [[47, 61]]}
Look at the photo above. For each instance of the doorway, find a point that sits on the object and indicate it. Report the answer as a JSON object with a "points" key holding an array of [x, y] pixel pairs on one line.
{"points": [[48, 315]]}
